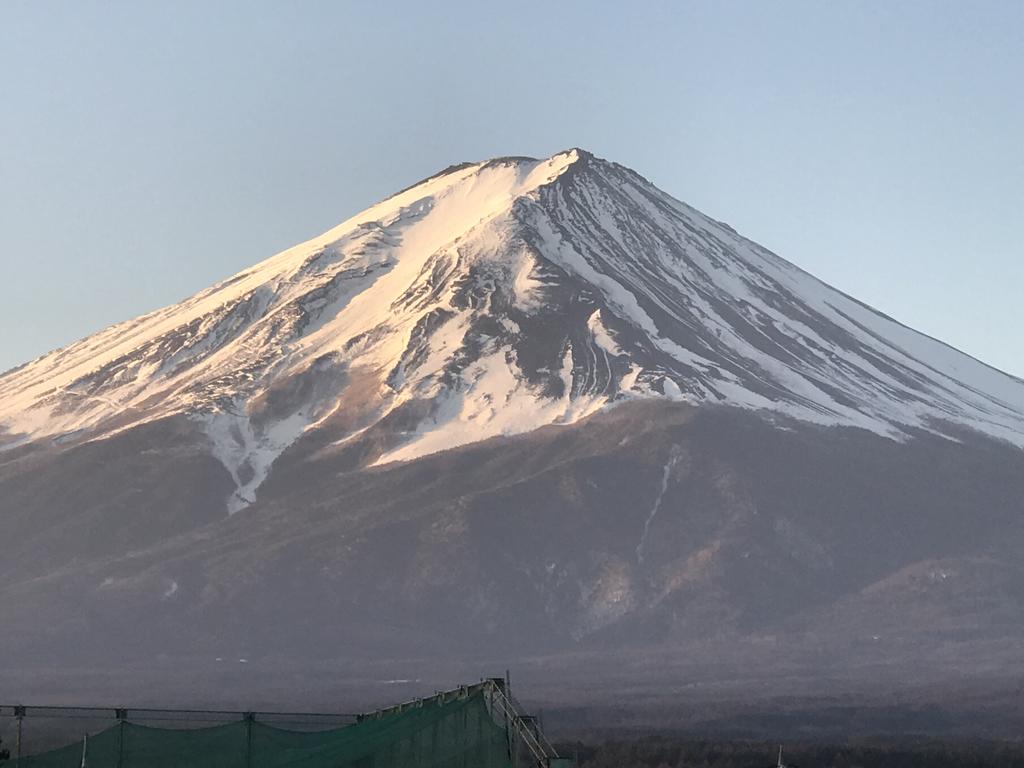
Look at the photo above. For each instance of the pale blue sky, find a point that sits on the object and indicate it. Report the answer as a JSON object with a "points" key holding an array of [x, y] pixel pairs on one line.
{"points": [[147, 151]]}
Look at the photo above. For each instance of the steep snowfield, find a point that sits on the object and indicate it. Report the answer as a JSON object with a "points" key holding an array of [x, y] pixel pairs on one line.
{"points": [[495, 298]]}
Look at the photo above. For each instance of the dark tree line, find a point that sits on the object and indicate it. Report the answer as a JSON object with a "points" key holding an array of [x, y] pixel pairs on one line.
{"points": [[669, 752]]}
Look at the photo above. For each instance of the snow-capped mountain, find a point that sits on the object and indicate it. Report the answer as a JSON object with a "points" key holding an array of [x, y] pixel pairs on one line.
{"points": [[854, 501], [492, 299]]}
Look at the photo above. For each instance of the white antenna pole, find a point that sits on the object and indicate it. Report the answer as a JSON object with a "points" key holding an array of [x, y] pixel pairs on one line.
{"points": [[85, 748]]}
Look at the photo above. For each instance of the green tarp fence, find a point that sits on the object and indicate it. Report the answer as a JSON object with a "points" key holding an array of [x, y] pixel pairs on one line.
{"points": [[455, 734]]}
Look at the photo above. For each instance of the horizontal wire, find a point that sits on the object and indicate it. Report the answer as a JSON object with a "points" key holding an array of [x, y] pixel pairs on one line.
{"points": [[54, 711]]}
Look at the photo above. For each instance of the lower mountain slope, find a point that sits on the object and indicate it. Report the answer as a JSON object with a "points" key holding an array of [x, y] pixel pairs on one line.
{"points": [[653, 525]]}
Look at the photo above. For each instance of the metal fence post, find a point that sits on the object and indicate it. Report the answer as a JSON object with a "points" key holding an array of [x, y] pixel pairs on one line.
{"points": [[249, 718], [19, 714], [121, 715]]}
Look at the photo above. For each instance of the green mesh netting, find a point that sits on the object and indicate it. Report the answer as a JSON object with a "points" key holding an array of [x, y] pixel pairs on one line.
{"points": [[456, 734]]}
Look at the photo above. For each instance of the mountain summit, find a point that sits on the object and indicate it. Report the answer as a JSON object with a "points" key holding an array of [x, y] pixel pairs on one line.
{"points": [[492, 299], [532, 411]]}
